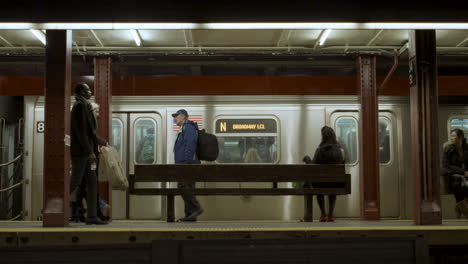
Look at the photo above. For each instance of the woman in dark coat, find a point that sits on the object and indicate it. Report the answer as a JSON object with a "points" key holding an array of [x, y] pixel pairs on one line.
{"points": [[328, 152], [455, 170]]}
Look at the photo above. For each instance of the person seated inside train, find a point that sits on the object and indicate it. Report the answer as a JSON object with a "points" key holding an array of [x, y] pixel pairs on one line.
{"points": [[328, 152], [145, 149], [252, 156], [384, 143], [272, 148], [455, 170]]}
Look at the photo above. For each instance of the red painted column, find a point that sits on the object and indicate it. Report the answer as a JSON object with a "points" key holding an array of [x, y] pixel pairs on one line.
{"points": [[368, 145], [103, 97], [424, 127], [57, 128]]}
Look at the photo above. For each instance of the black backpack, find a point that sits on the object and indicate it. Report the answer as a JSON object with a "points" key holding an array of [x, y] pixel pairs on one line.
{"points": [[207, 145]]}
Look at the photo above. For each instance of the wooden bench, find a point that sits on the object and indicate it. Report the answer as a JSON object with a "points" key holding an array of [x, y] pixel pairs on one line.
{"points": [[325, 179]]}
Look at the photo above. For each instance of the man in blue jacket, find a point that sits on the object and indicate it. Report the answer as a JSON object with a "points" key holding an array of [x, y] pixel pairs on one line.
{"points": [[185, 150]]}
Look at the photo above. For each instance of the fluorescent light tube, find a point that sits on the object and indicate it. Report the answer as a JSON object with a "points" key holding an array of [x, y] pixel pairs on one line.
{"points": [[136, 37], [324, 36], [39, 35]]}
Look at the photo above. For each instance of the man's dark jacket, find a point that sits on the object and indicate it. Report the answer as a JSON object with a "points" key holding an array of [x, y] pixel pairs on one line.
{"points": [[84, 140]]}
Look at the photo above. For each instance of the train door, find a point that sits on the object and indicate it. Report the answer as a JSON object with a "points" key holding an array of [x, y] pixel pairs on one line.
{"points": [[139, 136], [389, 166], [346, 125], [119, 141], [145, 148]]}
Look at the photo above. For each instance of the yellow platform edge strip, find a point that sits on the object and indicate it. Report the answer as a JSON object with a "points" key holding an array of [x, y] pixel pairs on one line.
{"points": [[233, 229]]}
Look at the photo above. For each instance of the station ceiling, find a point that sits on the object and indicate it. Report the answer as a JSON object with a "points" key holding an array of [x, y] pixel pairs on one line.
{"points": [[231, 51], [381, 41]]}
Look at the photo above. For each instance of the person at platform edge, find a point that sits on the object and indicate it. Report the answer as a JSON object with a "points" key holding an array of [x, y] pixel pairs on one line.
{"points": [[328, 152], [455, 170], [185, 149], [84, 146]]}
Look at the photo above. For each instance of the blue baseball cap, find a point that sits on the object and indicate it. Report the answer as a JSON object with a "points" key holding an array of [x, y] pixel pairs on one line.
{"points": [[180, 111]]}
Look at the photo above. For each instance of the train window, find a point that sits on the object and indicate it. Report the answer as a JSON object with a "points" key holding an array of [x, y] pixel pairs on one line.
{"points": [[384, 140], [145, 143], [346, 133], [461, 124], [117, 135], [247, 140]]}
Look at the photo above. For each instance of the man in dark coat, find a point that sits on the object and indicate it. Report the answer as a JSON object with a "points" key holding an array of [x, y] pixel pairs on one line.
{"points": [[84, 146], [185, 153]]}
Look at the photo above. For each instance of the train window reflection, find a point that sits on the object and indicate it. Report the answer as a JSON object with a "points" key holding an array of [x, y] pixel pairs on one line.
{"points": [[346, 133], [384, 140], [117, 135], [247, 149], [145, 143], [461, 124]]}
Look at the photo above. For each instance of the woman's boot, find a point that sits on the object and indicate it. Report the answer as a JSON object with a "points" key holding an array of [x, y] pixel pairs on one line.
{"points": [[464, 207]]}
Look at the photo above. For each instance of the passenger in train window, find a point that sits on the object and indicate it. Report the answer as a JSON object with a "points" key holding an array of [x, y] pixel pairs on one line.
{"points": [[328, 152], [272, 148], [185, 153], [384, 143], [145, 150], [455, 170], [84, 147]]}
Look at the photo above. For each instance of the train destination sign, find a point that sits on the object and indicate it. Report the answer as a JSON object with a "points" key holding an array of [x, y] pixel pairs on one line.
{"points": [[246, 126]]}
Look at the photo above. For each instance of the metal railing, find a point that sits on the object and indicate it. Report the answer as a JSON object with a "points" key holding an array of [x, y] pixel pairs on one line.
{"points": [[13, 186]]}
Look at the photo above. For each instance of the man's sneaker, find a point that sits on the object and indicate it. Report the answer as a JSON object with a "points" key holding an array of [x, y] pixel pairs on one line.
{"points": [[192, 217], [95, 221], [195, 214]]}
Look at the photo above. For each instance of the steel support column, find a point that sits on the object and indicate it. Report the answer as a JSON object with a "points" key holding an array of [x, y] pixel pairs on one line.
{"points": [[103, 96], [368, 145], [424, 127], [57, 127]]}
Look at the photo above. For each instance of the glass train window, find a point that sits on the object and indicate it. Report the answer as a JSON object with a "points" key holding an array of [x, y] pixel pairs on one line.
{"points": [[117, 135], [346, 133], [384, 140], [247, 140], [461, 124], [145, 143]]}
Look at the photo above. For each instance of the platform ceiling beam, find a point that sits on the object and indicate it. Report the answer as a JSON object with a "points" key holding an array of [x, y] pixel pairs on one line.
{"points": [[368, 144], [424, 127], [57, 128], [103, 97]]}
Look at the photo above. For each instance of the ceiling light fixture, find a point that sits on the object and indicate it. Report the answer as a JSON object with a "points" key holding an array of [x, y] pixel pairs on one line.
{"points": [[136, 36], [39, 35], [324, 36]]}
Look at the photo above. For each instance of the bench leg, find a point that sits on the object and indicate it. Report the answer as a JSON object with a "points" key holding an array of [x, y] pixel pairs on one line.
{"points": [[308, 206], [170, 208]]}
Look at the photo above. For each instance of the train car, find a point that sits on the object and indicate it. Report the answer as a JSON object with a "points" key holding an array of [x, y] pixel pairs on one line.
{"points": [[288, 128]]}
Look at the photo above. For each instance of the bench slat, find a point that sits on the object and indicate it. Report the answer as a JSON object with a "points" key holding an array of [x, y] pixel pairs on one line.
{"points": [[240, 173], [237, 191]]}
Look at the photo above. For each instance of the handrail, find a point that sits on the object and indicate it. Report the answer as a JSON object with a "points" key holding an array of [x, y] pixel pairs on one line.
{"points": [[12, 187], [11, 162]]}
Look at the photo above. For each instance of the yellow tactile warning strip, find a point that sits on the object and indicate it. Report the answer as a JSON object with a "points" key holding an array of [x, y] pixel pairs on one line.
{"points": [[234, 226]]}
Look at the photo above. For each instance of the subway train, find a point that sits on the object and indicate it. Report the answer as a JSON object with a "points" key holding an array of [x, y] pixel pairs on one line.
{"points": [[288, 128]]}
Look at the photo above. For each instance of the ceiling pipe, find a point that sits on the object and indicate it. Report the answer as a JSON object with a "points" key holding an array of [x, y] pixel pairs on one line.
{"points": [[390, 73]]}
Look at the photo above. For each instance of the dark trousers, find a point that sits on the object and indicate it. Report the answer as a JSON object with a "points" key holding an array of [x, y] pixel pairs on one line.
{"points": [[460, 193], [331, 203], [191, 203], [82, 174]]}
